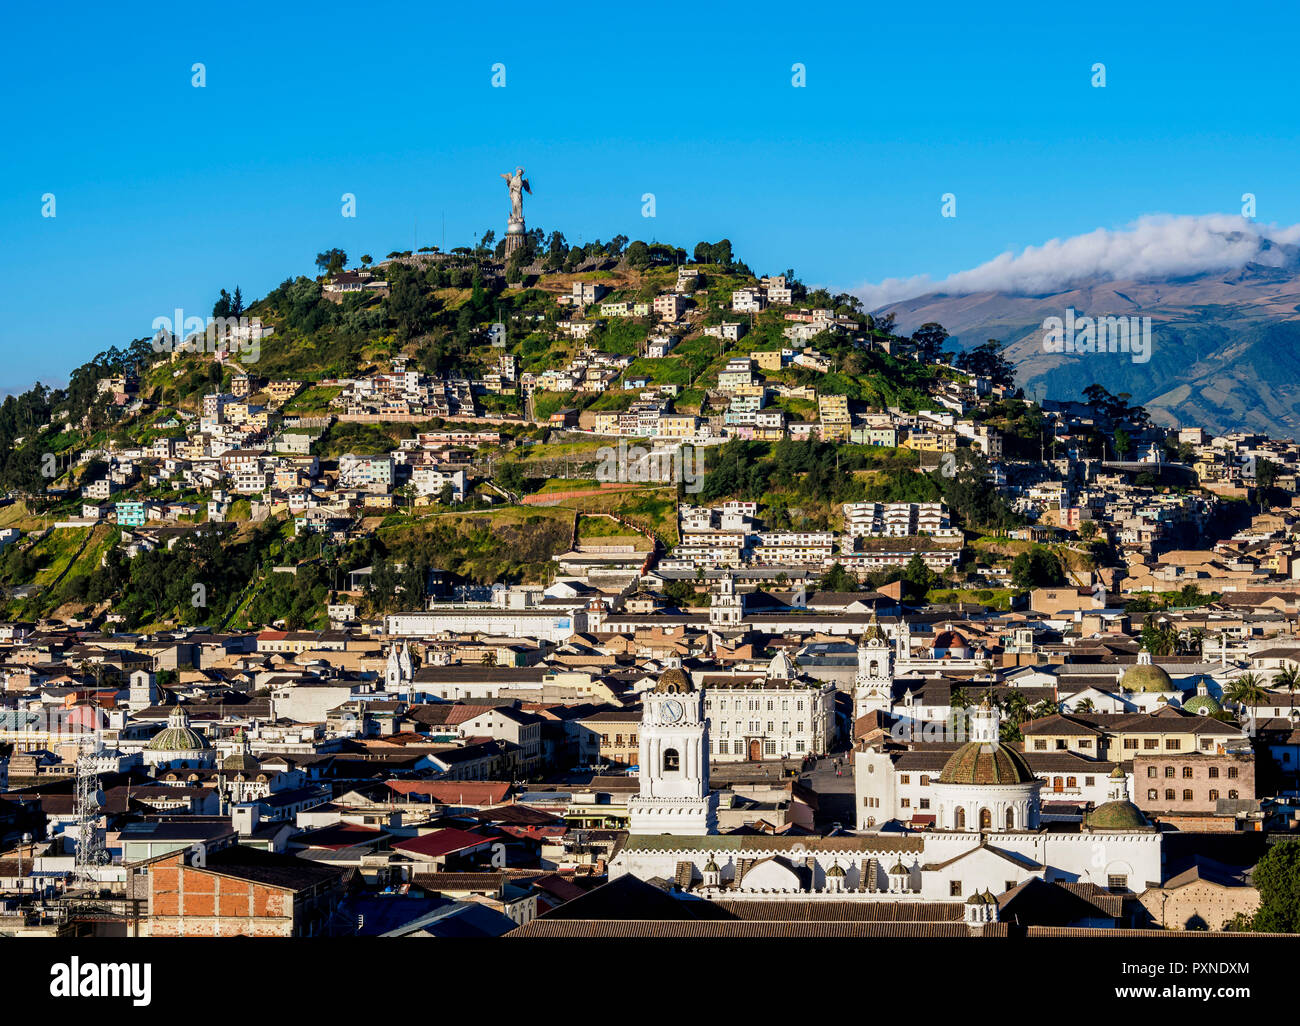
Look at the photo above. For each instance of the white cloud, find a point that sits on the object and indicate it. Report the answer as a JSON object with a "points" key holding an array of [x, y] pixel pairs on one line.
{"points": [[1154, 246]]}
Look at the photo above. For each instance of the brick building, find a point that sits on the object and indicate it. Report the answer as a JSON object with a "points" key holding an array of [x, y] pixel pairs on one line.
{"points": [[240, 891], [1179, 783]]}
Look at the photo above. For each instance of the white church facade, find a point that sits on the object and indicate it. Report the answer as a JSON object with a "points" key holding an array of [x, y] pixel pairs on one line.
{"points": [[987, 837]]}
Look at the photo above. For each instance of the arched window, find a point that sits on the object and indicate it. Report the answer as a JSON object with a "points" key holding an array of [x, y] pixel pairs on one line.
{"points": [[1187, 795], [986, 819], [1214, 796], [1011, 820], [1071, 782], [875, 668], [672, 761], [1169, 794], [959, 819], [1058, 784], [1232, 795]]}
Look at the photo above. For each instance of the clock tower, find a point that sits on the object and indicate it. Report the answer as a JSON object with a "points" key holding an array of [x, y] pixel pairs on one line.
{"points": [[674, 797]]}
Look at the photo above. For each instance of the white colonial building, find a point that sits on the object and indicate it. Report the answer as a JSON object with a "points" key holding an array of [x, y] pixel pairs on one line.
{"points": [[988, 837], [780, 713]]}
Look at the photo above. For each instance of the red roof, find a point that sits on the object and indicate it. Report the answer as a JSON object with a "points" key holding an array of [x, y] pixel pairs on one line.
{"points": [[442, 842], [455, 792], [338, 836]]}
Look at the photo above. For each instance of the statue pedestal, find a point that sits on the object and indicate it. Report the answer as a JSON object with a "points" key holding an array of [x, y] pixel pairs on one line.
{"points": [[515, 233]]}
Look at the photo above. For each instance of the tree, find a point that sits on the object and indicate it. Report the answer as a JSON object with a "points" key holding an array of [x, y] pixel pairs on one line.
{"points": [[510, 476], [1288, 677], [1277, 878], [331, 261], [1037, 568], [1248, 689], [929, 338], [366, 259], [1123, 446], [839, 579], [988, 362]]}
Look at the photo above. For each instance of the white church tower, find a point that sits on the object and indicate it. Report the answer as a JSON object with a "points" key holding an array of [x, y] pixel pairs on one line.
{"points": [[874, 683], [727, 608], [674, 797], [398, 673]]}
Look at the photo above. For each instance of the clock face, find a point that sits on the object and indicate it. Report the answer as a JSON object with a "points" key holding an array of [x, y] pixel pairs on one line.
{"points": [[673, 710]]}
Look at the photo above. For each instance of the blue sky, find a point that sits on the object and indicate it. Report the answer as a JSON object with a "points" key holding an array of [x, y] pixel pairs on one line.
{"points": [[166, 193]]}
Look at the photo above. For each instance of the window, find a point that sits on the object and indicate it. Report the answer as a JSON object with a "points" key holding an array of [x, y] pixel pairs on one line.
{"points": [[959, 819], [1085, 742], [1060, 744], [1150, 743], [925, 780], [1072, 782], [672, 761], [1214, 796], [906, 778], [986, 819], [1130, 742], [1152, 794], [1172, 744], [799, 746], [1187, 773], [1011, 822], [954, 888], [1214, 772], [906, 803], [1169, 794], [1040, 744], [1169, 771], [769, 747], [1187, 795], [1117, 882], [1233, 795], [1151, 771], [924, 803], [1232, 773]]}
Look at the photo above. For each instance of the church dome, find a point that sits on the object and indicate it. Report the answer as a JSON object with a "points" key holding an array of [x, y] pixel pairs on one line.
{"points": [[1116, 815], [835, 870], [711, 867], [898, 870], [1202, 705], [1146, 677], [979, 762], [178, 735], [674, 681]]}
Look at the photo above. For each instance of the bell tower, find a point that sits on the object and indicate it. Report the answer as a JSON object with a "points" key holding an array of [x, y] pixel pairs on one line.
{"points": [[873, 685], [674, 796]]}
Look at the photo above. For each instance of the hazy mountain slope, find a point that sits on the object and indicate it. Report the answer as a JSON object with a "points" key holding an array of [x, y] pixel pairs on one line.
{"points": [[1225, 348]]}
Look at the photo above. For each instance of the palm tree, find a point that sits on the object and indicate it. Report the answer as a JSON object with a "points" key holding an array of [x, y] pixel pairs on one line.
{"points": [[1044, 708], [1246, 689], [1086, 706], [1288, 677]]}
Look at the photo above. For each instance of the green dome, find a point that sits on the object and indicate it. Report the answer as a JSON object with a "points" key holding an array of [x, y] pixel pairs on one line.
{"points": [[835, 870], [178, 735], [1146, 677], [711, 867], [986, 763], [1202, 705], [1117, 815]]}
